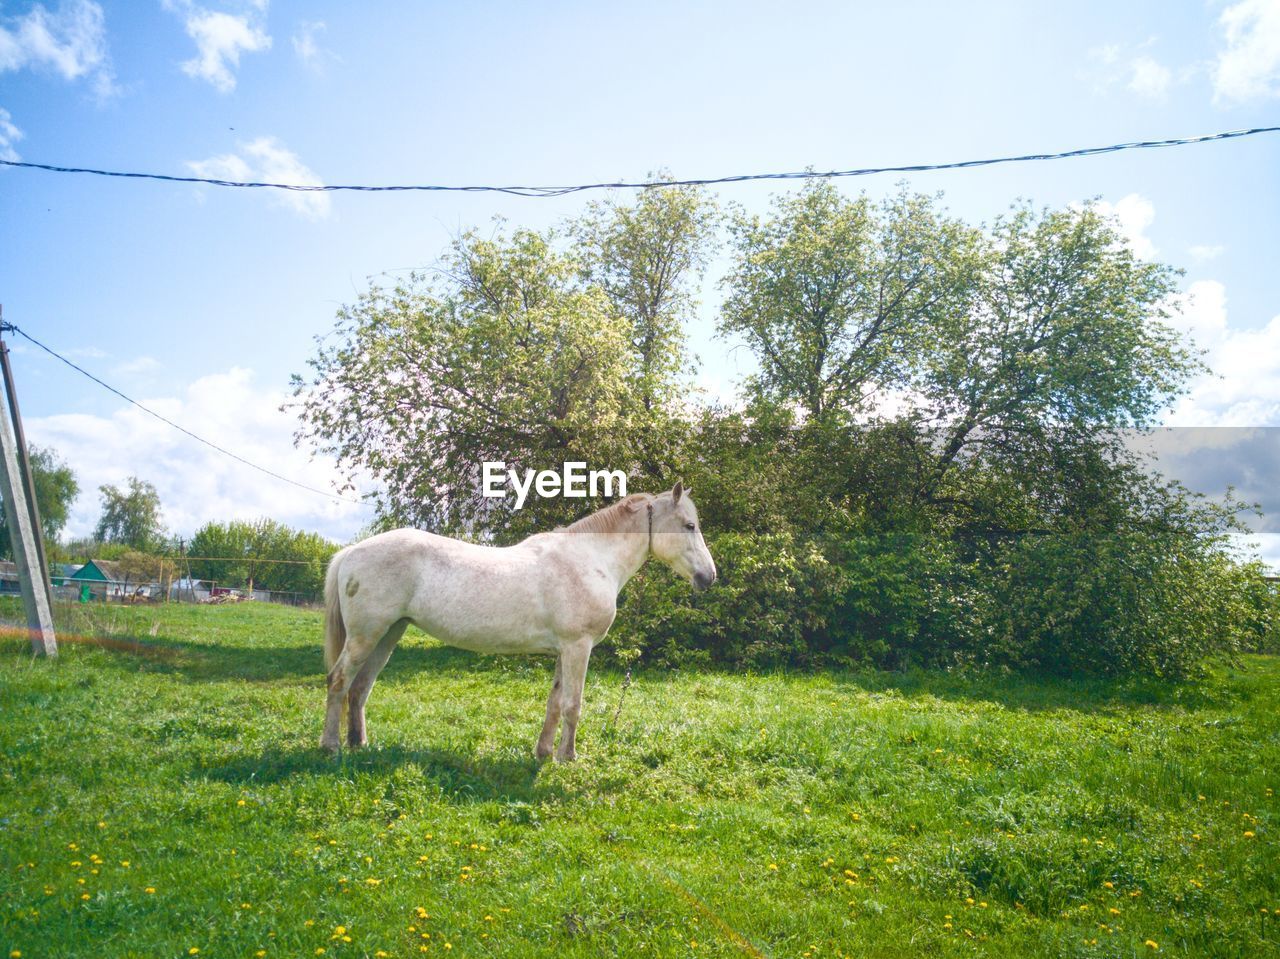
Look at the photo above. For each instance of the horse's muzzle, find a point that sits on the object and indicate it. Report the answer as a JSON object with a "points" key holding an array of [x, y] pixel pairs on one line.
{"points": [[703, 580]]}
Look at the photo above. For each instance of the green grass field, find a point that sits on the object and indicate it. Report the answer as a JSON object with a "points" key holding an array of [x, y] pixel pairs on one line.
{"points": [[167, 798]]}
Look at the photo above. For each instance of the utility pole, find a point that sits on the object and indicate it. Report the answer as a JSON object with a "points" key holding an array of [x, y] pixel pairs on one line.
{"points": [[191, 586], [23, 516]]}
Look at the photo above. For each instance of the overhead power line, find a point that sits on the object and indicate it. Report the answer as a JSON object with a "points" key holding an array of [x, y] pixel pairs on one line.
{"points": [[550, 191], [181, 429]]}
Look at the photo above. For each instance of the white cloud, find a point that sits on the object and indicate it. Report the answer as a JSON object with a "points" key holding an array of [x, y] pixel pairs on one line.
{"points": [[137, 366], [1203, 253], [1130, 66], [1249, 67], [220, 40], [71, 41], [1149, 78], [307, 48], [1132, 215], [9, 135], [1243, 386], [1201, 313], [267, 160], [198, 484]]}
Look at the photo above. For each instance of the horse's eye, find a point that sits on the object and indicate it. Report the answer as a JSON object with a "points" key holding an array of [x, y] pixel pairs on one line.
{"points": [[690, 526]]}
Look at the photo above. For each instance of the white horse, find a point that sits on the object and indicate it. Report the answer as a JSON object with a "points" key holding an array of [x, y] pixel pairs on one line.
{"points": [[552, 594]]}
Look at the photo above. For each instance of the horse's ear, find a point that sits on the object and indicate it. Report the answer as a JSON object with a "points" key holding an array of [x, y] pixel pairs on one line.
{"points": [[677, 492]]}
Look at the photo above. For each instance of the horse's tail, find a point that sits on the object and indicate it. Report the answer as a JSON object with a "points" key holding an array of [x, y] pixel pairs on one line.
{"points": [[335, 630]]}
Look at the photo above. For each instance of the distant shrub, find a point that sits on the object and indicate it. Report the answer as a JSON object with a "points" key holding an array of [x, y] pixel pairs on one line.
{"points": [[1097, 604], [773, 604]]}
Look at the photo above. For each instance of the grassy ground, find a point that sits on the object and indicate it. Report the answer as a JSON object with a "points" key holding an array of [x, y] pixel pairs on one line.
{"points": [[161, 800]]}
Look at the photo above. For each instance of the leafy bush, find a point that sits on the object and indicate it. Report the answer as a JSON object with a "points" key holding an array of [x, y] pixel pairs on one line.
{"points": [[775, 600], [1100, 604]]}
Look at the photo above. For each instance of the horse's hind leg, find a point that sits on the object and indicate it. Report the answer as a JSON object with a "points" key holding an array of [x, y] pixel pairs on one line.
{"points": [[363, 683], [345, 669], [547, 741]]}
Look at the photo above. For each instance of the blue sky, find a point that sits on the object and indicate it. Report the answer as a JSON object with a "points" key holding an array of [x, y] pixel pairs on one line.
{"points": [[202, 301]]}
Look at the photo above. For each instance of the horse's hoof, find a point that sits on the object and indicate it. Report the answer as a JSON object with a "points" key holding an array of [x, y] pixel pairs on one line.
{"points": [[332, 747], [567, 757]]}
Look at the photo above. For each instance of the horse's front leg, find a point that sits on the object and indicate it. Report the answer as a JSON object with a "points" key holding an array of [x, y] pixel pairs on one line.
{"points": [[573, 661], [547, 741]]}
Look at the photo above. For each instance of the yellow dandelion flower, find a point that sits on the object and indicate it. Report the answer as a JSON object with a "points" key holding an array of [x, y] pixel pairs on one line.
{"points": [[260, 953], [1151, 943], [448, 945], [1108, 885], [320, 951], [946, 925], [1114, 911], [340, 930], [16, 954], [773, 866], [150, 890], [193, 951], [240, 802], [84, 895], [1248, 834]]}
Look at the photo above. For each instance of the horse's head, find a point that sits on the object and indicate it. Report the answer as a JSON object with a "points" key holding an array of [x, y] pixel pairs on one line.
{"points": [[676, 537]]}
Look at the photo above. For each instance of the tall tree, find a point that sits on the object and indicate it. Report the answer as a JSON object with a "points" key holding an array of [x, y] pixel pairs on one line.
{"points": [[55, 490], [647, 257], [262, 554], [835, 296], [131, 516], [1066, 340], [503, 354]]}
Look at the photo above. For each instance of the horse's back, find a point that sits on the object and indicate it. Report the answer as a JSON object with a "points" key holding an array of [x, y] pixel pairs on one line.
{"points": [[486, 598]]}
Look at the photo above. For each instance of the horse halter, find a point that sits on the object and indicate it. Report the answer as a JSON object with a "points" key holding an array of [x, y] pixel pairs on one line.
{"points": [[650, 509]]}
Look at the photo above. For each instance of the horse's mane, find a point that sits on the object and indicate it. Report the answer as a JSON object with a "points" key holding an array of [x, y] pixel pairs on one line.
{"points": [[608, 519]]}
